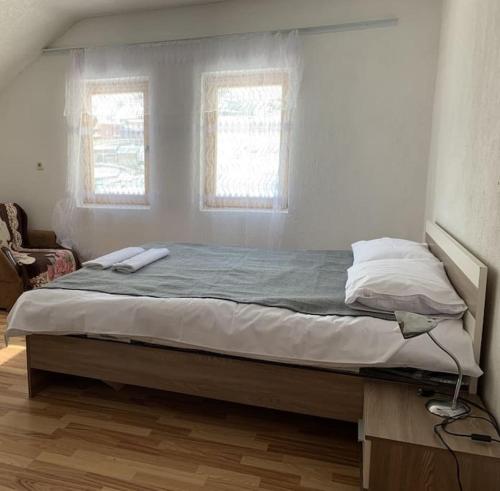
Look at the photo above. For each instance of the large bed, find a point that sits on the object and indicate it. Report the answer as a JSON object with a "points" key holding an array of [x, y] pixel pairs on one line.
{"points": [[242, 352]]}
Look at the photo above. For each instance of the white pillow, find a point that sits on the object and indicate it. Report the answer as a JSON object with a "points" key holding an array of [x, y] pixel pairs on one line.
{"points": [[387, 248], [410, 285]]}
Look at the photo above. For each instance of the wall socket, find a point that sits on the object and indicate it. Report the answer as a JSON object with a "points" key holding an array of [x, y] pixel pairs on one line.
{"points": [[39, 166]]}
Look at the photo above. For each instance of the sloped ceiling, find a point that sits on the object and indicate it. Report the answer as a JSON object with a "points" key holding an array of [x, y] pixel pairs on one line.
{"points": [[27, 26]]}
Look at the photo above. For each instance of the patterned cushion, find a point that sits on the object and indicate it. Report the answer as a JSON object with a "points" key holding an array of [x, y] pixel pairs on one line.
{"points": [[13, 226], [43, 265]]}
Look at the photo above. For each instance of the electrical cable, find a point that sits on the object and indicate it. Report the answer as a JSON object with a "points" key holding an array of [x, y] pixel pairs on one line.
{"points": [[453, 454], [492, 420], [477, 437], [443, 426]]}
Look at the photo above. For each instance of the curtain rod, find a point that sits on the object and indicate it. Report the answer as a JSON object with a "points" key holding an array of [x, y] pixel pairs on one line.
{"points": [[348, 26]]}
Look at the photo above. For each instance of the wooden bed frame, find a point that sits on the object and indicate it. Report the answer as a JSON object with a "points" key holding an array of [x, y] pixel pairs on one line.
{"points": [[318, 392]]}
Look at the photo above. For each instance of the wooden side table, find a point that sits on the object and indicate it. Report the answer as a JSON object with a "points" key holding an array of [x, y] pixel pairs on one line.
{"points": [[402, 453]]}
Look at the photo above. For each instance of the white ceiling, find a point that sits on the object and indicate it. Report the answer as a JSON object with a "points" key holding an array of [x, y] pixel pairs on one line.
{"points": [[26, 26]]}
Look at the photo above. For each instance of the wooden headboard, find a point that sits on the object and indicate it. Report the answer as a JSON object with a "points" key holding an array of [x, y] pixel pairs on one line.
{"points": [[468, 276]]}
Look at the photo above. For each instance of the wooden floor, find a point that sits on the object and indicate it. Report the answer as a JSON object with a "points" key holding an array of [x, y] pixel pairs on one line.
{"points": [[82, 435]]}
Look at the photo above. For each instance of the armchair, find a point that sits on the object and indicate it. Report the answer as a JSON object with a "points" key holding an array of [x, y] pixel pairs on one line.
{"points": [[28, 258]]}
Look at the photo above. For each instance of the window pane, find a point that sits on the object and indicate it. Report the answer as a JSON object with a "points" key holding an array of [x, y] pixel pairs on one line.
{"points": [[118, 143], [248, 141]]}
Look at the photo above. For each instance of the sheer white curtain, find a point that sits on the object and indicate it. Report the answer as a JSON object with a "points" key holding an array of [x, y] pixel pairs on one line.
{"points": [[184, 141]]}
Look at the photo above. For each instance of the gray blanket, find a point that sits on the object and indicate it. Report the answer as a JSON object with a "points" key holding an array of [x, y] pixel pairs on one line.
{"points": [[310, 282]]}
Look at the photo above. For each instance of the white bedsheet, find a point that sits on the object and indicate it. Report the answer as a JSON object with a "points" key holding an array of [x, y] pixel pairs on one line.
{"points": [[249, 331]]}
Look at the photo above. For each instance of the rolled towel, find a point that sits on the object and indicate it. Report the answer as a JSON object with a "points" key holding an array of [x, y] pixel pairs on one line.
{"points": [[108, 260], [137, 262]]}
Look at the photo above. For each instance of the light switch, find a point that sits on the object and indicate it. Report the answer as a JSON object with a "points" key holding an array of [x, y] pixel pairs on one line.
{"points": [[39, 166]]}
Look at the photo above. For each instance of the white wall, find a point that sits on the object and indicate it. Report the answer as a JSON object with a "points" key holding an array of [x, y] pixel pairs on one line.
{"points": [[464, 189], [365, 120]]}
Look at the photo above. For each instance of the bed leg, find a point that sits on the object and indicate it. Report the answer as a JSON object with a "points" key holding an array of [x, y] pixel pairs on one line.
{"points": [[37, 379]]}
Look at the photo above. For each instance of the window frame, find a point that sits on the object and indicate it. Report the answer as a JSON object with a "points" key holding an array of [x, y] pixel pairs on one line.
{"points": [[211, 83], [112, 86]]}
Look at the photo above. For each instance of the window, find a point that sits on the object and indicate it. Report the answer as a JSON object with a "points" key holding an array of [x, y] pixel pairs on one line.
{"points": [[244, 140], [115, 150]]}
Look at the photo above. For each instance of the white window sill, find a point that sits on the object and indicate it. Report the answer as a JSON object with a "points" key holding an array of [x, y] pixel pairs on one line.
{"points": [[97, 206], [244, 210]]}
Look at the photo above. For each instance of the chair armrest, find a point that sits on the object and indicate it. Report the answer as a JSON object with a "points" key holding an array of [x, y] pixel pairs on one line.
{"points": [[9, 270], [42, 239], [12, 283]]}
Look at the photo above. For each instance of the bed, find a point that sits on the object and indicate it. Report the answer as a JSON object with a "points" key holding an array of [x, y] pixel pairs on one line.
{"points": [[247, 363]]}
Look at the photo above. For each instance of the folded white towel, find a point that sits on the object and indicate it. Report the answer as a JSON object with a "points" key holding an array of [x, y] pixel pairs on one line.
{"points": [[137, 262], [108, 260]]}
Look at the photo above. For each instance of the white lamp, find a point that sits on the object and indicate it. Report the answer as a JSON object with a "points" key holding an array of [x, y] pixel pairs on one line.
{"points": [[413, 325]]}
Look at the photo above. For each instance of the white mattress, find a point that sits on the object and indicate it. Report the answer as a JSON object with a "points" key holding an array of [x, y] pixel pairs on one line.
{"points": [[250, 331]]}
